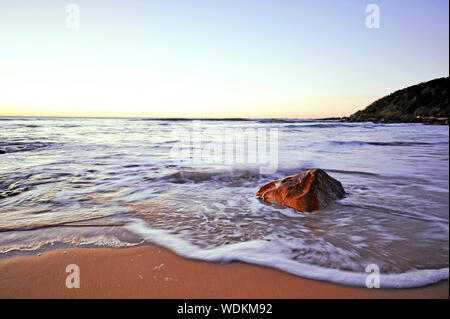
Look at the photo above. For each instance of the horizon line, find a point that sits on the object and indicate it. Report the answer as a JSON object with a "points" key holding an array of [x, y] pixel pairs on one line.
{"points": [[172, 118]]}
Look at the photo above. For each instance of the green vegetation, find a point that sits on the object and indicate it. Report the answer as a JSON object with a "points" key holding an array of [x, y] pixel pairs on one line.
{"points": [[426, 102]]}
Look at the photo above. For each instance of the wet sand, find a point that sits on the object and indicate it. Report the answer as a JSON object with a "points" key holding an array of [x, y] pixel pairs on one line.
{"points": [[154, 272]]}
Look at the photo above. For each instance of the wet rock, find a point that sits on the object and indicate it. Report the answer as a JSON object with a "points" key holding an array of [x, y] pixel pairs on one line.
{"points": [[305, 192], [2, 152]]}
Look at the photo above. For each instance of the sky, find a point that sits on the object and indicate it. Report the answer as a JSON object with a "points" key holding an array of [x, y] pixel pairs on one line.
{"points": [[208, 58]]}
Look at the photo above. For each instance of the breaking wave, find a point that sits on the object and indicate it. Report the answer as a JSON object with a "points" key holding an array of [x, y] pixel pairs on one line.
{"points": [[265, 253]]}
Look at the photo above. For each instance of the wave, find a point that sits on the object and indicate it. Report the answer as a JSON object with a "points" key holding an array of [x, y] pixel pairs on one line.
{"points": [[394, 143], [230, 176], [189, 119], [98, 241], [265, 253], [236, 119], [323, 125], [234, 176], [383, 176], [340, 171], [68, 125], [11, 191], [14, 147], [24, 226], [386, 209], [249, 174], [275, 121], [185, 176]]}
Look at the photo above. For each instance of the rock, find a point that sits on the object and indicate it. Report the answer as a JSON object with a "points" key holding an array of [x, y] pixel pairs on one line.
{"points": [[305, 192], [2, 152], [426, 102]]}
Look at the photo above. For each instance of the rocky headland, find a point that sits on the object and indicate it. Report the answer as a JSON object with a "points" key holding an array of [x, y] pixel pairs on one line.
{"points": [[426, 103]]}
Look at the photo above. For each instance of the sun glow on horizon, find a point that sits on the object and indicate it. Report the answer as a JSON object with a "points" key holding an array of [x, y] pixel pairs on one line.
{"points": [[177, 60], [52, 90]]}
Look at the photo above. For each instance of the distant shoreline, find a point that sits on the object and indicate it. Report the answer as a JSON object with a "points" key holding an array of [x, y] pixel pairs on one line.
{"points": [[430, 120], [424, 120], [5, 117]]}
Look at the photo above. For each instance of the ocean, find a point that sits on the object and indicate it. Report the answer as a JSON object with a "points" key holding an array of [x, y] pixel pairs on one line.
{"points": [[190, 186]]}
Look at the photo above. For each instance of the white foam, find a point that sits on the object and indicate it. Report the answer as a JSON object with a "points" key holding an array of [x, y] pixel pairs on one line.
{"points": [[265, 253], [101, 241]]}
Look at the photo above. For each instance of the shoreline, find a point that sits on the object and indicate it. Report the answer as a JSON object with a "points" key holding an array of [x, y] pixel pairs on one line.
{"points": [[154, 272]]}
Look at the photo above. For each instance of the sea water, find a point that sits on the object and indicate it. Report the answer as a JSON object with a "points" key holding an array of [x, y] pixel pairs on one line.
{"points": [[86, 182]]}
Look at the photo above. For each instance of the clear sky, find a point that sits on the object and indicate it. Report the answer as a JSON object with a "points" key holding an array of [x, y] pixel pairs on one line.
{"points": [[215, 58]]}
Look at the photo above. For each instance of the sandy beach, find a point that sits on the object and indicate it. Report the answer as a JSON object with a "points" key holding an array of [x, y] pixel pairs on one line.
{"points": [[279, 150], [154, 272]]}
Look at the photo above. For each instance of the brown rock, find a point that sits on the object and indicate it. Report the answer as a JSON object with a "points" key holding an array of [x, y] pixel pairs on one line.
{"points": [[306, 192]]}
